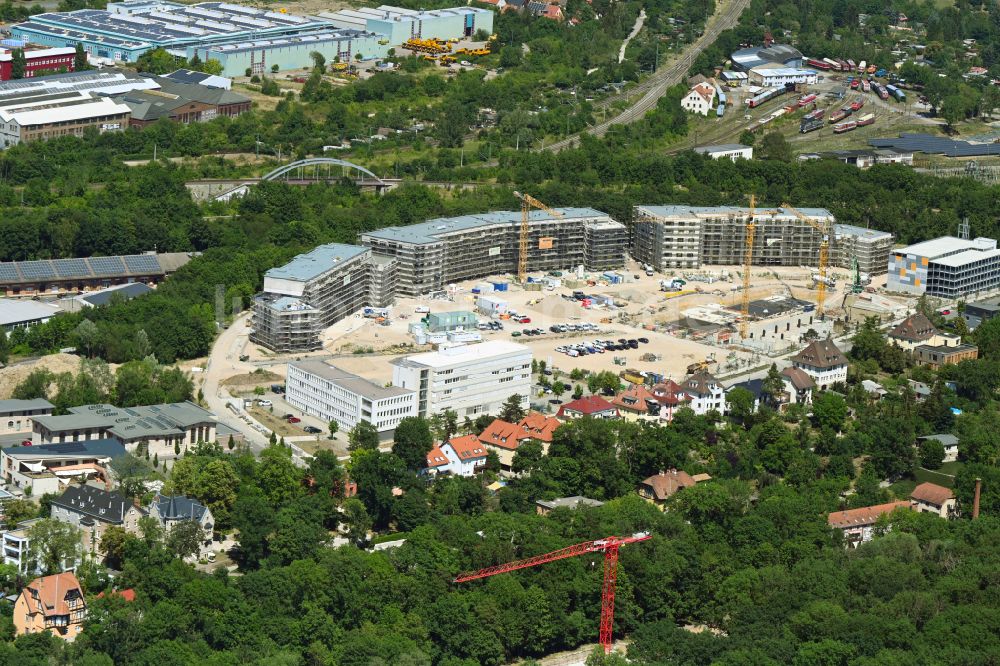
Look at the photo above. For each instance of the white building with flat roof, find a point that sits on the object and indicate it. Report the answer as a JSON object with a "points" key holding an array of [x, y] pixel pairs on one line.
{"points": [[733, 151], [776, 77], [470, 379], [24, 314], [946, 267], [320, 389]]}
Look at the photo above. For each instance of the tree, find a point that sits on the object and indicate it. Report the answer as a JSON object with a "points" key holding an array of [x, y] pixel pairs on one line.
{"points": [[17, 510], [18, 64], [747, 138], [774, 385], [4, 347], [741, 407], [512, 410], [185, 538], [363, 436], [277, 475], [829, 410], [774, 147], [357, 520], [113, 545], [54, 545], [931, 454], [558, 388], [80, 59], [413, 441], [987, 338], [35, 385], [319, 61], [255, 520], [333, 426], [578, 392], [132, 474]]}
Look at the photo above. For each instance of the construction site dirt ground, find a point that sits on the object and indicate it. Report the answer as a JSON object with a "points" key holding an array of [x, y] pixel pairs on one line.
{"points": [[367, 348]]}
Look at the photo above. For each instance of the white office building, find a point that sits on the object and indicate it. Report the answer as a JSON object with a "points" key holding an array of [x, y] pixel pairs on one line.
{"points": [[732, 151], [946, 267], [327, 392], [777, 77], [471, 380]]}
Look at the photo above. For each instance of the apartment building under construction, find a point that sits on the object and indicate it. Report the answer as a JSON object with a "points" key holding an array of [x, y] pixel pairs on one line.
{"points": [[671, 237], [436, 253], [315, 290]]}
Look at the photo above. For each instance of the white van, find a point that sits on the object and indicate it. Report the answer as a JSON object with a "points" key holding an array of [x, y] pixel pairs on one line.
{"points": [[572, 352], [422, 309]]}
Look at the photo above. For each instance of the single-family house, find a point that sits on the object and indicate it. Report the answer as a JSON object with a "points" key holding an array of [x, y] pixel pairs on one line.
{"points": [[798, 385], [660, 487], [913, 331], [858, 524], [93, 510], [705, 392], [637, 402], [51, 603], [172, 510], [461, 456], [671, 397], [822, 361], [950, 443], [932, 498], [929, 346], [699, 99], [593, 406]]}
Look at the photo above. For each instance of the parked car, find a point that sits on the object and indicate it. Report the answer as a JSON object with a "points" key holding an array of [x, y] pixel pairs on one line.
{"points": [[264, 403], [244, 358], [294, 419], [312, 430], [644, 341]]}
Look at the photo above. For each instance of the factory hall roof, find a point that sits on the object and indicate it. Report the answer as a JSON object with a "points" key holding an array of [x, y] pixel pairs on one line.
{"points": [[433, 231], [311, 265]]}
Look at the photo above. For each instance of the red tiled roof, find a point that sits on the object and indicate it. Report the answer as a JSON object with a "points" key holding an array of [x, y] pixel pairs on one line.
{"points": [[47, 595], [932, 493], [799, 379], [866, 515], [665, 484], [539, 426], [127, 595], [467, 447], [436, 458], [670, 393], [503, 434], [592, 404], [634, 399]]}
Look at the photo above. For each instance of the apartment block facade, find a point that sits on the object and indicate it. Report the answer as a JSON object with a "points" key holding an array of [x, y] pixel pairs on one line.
{"points": [[678, 237], [434, 254], [945, 267], [470, 379]]}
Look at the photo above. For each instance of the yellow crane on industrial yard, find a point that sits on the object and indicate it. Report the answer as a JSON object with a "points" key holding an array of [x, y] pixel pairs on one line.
{"points": [[527, 203]]}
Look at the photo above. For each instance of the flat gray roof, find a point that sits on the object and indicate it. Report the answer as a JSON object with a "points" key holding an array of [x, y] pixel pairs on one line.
{"points": [[432, 231], [13, 405], [709, 211], [721, 148], [312, 264], [349, 380], [17, 312], [130, 422], [851, 230], [945, 245]]}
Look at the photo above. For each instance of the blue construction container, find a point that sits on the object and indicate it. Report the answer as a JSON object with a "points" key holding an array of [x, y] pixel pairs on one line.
{"points": [[499, 286]]}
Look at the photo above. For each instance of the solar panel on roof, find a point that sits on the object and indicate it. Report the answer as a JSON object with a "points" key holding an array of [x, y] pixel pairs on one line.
{"points": [[142, 263], [8, 273], [106, 265], [36, 269], [71, 268]]}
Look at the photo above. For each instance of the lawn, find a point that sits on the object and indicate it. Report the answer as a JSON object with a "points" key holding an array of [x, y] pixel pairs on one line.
{"points": [[943, 477]]}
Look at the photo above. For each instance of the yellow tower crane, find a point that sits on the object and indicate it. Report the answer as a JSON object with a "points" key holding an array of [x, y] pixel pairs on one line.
{"points": [[527, 203], [748, 259], [824, 254]]}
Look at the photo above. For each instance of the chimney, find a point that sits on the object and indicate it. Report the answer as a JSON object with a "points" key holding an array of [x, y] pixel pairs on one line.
{"points": [[975, 498]]}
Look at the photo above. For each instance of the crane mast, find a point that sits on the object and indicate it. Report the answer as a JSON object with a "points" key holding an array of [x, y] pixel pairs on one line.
{"points": [[527, 203], [751, 230], [824, 255], [609, 546]]}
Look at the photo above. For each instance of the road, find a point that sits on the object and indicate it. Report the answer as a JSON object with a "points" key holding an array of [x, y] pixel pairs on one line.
{"points": [[635, 31], [657, 84]]}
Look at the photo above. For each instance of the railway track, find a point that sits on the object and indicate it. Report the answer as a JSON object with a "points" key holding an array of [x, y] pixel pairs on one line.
{"points": [[653, 88]]}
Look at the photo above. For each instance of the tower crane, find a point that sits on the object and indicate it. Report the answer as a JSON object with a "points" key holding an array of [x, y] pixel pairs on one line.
{"points": [[527, 203], [824, 254], [748, 259], [608, 545]]}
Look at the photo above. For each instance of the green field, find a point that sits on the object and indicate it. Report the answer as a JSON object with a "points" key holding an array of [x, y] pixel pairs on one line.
{"points": [[943, 477]]}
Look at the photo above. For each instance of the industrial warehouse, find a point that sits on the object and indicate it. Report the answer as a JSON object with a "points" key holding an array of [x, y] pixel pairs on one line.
{"points": [[688, 237], [243, 38]]}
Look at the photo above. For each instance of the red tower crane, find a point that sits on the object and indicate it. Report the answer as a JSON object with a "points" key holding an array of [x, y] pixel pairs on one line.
{"points": [[609, 546]]}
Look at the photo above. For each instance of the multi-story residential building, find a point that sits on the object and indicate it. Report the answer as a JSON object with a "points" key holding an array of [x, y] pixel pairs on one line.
{"points": [[318, 388], [92, 511], [154, 428], [946, 267], [17, 547], [16, 416], [706, 393], [438, 252], [858, 525], [932, 498], [948, 441], [699, 99], [822, 361], [505, 438], [667, 237], [941, 355], [51, 603], [469, 379], [171, 511], [310, 293], [49, 468], [671, 397]]}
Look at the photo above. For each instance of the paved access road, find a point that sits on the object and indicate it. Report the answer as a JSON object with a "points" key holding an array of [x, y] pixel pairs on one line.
{"points": [[727, 14]]}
